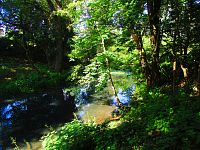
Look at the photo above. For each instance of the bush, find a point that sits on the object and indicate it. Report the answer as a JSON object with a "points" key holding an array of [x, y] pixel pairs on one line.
{"points": [[74, 135], [166, 122]]}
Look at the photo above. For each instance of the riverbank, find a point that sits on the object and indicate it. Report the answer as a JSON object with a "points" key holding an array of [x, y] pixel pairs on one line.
{"points": [[19, 77], [98, 110]]}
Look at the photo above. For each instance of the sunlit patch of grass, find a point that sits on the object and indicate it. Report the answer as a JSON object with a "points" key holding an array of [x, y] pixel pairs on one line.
{"points": [[27, 68], [13, 70], [7, 78], [118, 73]]}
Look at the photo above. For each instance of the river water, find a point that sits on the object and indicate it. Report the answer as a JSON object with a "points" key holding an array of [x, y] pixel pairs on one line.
{"points": [[26, 118]]}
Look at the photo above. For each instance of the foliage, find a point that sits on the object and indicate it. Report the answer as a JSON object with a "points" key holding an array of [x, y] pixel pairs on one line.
{"points": [[123, 80], [42, 29], [24, 78], [73, 135], [145, 36], [157, 121], [157, 41], [97, 48]]}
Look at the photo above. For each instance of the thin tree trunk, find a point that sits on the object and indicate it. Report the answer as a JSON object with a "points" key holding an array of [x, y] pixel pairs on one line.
{"points": [[174, 50], [57, 26], [174, 74], [198, 81], [183, 62], [24, 39], [110, 76], [174, 61], [186, 42], [26, 48], [185, 72], [59, 47], [114, 90]]}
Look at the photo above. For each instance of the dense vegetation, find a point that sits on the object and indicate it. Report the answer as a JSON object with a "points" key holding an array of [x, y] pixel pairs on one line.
{"points": [[57, 43], [18, 77], [157, 121]]}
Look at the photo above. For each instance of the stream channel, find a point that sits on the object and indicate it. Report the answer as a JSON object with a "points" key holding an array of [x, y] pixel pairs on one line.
{"points": [[27, 118]]}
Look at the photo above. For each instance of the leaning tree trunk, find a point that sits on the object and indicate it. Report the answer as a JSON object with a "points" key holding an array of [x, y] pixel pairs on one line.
{"points": [[110, 76]]}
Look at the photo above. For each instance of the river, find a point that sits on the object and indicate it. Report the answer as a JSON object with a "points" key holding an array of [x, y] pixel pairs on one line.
{"points": [[27, 118]]}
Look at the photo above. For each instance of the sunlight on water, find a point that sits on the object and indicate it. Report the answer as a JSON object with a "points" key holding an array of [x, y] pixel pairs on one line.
{"points": [[98, 112], [8, 111], [95, 112], [124, 96]]}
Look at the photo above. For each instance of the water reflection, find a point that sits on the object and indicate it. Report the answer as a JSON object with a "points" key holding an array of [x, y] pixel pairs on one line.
{"points": [[7, 112], [82, 97], [101, 111], [124, 96], [23, 117]]}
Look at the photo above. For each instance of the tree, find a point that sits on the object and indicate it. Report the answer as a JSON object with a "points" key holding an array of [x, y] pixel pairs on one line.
{"points": [[44, 25], [162, 32], [92, 45]]}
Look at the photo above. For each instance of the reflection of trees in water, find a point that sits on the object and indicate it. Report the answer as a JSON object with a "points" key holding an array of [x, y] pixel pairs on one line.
{"points": [[124, 95], [82, 96], [33, 113]]}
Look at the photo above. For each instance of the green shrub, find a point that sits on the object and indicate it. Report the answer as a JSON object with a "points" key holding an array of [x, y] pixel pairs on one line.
{"points": [[166, 122], [74, 135]]}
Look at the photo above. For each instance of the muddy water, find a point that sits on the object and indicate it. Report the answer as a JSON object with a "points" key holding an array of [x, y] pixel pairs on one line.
{"points": [[103, 105], [96, 112]]}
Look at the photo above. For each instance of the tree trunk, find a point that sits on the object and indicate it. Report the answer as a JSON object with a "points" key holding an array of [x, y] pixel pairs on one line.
{"points": [[23, 43], [198, 81], [183, 62], [58, 28], [59, 60], [174, 74], [137, 38], [176, 34], [59, 47], [114, 90], [155, 38], [174, 61], [110, 76]]}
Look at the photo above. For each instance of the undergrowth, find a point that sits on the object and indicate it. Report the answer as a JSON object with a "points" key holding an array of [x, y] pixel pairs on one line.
{"points": [[22, 78], [156, 121]]}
